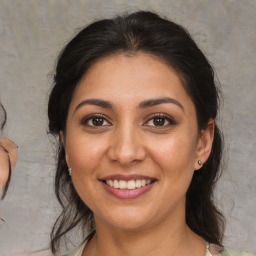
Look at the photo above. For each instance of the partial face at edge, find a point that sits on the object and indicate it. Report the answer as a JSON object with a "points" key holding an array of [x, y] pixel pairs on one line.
{"points": [[130, 119], [8, 152]]}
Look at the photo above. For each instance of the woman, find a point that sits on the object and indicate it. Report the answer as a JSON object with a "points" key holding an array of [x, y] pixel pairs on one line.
{"points": [[134, 104], [8, 156]]}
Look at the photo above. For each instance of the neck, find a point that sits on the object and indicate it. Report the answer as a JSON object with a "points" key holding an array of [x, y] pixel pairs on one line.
{"points": [[169, 238]]}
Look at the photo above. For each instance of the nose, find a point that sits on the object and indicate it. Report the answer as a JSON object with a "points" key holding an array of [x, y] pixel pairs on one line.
{"points": [[126, 146]]}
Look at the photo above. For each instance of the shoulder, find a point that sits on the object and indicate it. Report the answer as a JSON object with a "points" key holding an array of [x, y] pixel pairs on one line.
{"points": [[78, 251], [233, 252]]}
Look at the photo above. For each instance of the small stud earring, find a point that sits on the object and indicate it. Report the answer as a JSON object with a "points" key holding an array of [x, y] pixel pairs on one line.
{"points": [[69, 171], [200, 163]]}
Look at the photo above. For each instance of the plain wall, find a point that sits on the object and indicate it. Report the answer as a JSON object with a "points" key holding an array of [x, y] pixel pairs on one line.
{"points": [[32, 32]]}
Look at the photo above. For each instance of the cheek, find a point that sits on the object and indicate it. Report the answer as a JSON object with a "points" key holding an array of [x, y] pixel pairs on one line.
{"points": [[176, 161], [175, 154], [84, 154]]}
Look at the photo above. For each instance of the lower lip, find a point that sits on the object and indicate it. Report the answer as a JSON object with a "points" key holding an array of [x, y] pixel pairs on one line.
{"points": [[127, 193]]}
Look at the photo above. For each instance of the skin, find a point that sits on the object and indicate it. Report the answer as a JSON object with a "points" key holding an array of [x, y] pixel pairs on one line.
{"points": [[8, 151], [128, 142]]}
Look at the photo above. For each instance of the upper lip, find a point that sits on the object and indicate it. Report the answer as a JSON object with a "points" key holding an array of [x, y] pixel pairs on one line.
{"points": [[127, 177]]}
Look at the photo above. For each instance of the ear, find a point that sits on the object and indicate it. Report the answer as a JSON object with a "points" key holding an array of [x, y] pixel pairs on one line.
{"points": [[204, 144], [62, 141]]}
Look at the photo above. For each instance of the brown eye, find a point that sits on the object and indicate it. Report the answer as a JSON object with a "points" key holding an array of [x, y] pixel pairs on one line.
{"points": [[95, 121], [159, 121], [98, 121]]}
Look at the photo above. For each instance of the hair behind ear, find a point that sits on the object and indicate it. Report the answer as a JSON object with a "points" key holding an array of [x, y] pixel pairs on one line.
{"points": [[202, 216]]}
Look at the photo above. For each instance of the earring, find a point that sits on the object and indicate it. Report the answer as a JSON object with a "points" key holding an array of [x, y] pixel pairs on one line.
{"points": [[200, 163], [69, 171]]}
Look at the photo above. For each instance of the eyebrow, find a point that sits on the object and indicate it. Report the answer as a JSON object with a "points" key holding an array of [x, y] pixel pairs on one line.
{"points": [[142, 105], [96, 102], [155, 102]]}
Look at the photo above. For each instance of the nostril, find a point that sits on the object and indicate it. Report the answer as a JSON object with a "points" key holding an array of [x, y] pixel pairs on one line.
{"points": [[126, 156]]}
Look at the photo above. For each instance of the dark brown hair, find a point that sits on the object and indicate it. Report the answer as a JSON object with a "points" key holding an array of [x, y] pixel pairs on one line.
{"points": [[138, 32]]}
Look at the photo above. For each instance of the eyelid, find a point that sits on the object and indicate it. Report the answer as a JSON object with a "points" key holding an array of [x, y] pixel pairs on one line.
{"points": [[159, 115], [85, 119]]}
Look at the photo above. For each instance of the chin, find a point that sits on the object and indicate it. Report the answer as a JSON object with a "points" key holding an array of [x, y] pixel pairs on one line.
{"points": [[129, 225], [129, 220]]}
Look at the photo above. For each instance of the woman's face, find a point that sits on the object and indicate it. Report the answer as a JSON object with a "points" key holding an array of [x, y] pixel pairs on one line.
{"points": [[132, 141]]}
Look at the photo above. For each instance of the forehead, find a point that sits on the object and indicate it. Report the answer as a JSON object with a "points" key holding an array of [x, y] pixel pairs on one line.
{"points": [[130, 78]]}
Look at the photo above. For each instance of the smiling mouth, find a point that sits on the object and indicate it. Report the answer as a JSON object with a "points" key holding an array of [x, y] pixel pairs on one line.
{"points": [[128, 184]]}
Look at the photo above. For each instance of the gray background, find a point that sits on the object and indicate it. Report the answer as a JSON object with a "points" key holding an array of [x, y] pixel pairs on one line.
{"points": [[31, 34]]}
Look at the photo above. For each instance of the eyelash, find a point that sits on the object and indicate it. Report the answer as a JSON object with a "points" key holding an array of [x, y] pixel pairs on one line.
{"points": [[161, 116], [85, 121]]}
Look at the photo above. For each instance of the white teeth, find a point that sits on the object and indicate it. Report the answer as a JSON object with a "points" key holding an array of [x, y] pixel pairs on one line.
{"points": [[138, 183], [122, 184], [116, 184], [131, 184]]}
